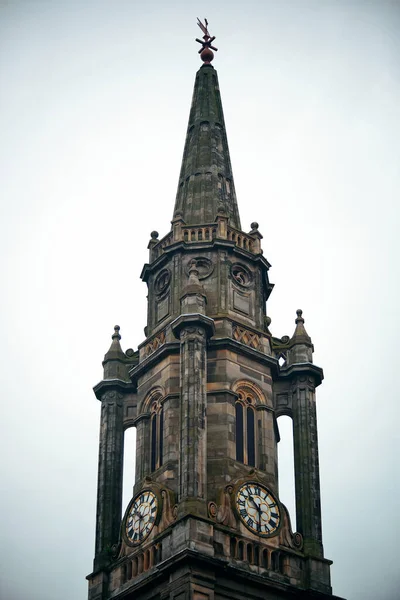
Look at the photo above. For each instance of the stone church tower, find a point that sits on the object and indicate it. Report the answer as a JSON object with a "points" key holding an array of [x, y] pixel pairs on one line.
{"points": [[204, 391]]}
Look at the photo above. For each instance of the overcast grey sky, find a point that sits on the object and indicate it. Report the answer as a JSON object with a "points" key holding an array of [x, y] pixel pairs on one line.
{"points": [[94, 102]]}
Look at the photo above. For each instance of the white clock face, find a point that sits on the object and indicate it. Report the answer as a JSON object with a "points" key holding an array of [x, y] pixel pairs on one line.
{"points": [[141, 517], [258, 509]]}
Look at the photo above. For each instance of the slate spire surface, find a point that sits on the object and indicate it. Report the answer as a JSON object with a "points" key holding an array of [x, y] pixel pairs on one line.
{"points": [[206, 181]]}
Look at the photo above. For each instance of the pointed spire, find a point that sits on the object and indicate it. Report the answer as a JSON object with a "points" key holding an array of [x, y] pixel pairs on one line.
{"points": [[300, 335], [301, 347], [115, 359], [206, 181]]}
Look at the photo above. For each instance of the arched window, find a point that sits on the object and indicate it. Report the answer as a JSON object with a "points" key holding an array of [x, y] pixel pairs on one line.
{"points": [[157, 434], [245, 428]]}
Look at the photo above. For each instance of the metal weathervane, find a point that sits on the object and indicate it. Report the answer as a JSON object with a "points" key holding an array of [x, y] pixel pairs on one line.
{"points": [[206, 50]]}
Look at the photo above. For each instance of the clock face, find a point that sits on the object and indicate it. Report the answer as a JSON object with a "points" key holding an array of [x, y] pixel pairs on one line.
{"points": [[258, 509], [141, 517]]}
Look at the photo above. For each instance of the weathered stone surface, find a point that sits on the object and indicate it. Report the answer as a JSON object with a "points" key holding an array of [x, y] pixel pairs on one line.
{"points": [[208, 352], [206, 181]]}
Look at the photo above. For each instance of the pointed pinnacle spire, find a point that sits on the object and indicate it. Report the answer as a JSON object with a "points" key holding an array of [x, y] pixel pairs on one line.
{"points": [[300, 345], [114, 359], [206, 180], [300, 335]]}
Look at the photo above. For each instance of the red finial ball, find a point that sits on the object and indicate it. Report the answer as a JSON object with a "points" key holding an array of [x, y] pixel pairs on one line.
{"points": [[207, 55]]}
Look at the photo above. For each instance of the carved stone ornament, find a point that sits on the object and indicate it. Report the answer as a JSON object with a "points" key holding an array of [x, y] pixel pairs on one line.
{"points": [[223, 512], [169, 509], [286, 536], [115, 550], [162, 282], [241, 276], [112, 397], [204, 267], [154, 343], [192, 332]]}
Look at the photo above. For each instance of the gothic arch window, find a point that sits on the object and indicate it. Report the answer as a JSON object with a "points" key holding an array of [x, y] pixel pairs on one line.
{"points": [[156, 434], [245, 428], [249, 398]]}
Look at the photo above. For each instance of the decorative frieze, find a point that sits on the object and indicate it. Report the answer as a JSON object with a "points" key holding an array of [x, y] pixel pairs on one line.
{"points": [[154, 344], [247, 337]]}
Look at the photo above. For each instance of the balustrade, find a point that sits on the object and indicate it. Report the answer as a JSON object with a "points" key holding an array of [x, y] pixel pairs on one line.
{"points": [[253, 554], [206, 233], [140, 563]]}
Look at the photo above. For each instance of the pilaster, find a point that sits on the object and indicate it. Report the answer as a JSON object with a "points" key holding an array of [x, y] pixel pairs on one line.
{"points": [[110, 469], [192, 331], [308, 501]]}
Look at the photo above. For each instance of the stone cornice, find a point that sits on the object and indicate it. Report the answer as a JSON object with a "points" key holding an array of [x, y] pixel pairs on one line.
{"points": [[302, 369], [159, 354], [244, 350], [182, 246], [193, 320], [124, 387]]}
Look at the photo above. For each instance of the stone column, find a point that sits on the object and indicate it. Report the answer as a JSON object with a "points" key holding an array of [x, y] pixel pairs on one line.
{"points": [[110, 472], [193, 331], [306, 464], [193, 463]]}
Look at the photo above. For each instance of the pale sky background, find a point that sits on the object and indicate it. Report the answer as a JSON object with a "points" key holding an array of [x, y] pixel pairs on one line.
{"points": [[94, 102]]}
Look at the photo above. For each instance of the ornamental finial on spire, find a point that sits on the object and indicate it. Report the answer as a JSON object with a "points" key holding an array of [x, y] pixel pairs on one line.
{"points": [[206, 50], [116, 334]]}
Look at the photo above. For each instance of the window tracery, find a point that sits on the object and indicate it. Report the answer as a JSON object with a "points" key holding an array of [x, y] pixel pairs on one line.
{"points": [[245, 428]]}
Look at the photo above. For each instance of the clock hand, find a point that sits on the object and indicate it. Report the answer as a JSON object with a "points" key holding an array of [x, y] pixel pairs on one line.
{"points": [[255, 503], [140, 520], [258, 508]]}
